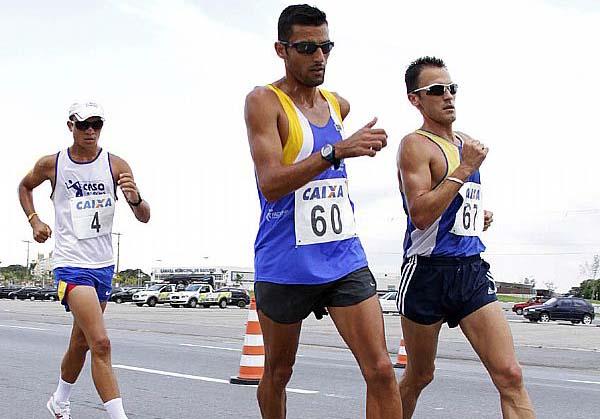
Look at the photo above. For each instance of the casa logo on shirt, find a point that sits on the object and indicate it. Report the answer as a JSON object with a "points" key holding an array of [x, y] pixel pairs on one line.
{"points": [[94, 203], [84, 188], [323, 192]]}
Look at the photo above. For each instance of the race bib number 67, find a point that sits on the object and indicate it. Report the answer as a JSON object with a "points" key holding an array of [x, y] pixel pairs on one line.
{"points": [[469, 217], [92, 216], [323, 212]]}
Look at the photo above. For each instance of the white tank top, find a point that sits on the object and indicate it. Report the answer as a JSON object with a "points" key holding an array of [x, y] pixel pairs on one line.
{"points": [[84, 205]]}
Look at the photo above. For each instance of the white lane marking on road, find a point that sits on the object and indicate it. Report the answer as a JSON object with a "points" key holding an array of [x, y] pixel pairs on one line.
{"points": [[300, 391], [337, 396], [171, 374], [210, 347], [563, 348], [219, 347], [200, 378], [23, 327], [584, 382]]}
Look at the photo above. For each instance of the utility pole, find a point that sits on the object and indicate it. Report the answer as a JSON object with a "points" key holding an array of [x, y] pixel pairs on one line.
{"points": [[118, 249], [27, 263], [157, 273]]}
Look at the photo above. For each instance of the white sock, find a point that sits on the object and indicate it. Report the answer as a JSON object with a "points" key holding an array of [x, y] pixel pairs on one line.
{"points": [[114, 408], [63, 391]]}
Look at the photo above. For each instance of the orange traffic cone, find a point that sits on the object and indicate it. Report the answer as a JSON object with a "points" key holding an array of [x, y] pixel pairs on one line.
{"points": [[252, 364], [401, 360]]}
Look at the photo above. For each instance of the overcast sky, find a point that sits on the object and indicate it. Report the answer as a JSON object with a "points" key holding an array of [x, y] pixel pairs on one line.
{"points": [[173, 75]]}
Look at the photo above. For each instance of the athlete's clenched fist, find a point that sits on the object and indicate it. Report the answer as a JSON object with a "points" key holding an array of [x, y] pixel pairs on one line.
{"points": [[473, 153], [367, 141]]}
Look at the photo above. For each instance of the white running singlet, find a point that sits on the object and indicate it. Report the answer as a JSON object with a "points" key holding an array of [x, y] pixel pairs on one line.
{"points": [[84, 205]]}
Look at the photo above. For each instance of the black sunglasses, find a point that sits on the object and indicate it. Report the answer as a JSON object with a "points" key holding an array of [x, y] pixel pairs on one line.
{"points": [[438, 89], [84, 125], [309, 48]]}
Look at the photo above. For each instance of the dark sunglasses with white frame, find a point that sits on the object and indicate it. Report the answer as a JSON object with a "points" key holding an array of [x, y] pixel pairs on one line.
{"points": [[438, 89]]}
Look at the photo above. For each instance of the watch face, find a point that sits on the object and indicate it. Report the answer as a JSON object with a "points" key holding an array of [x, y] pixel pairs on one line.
{"points": [[327, 150]]}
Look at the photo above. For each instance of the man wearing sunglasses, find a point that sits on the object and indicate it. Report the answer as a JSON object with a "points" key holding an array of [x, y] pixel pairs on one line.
{"points": [[308, 257], [443, 278], [84, 180]]}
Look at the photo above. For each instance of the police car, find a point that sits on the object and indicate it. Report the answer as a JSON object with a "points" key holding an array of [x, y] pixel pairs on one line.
{"points": [[156, 294], [190, 296]]}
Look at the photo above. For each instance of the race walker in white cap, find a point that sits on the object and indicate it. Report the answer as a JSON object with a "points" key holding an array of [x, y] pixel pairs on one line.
{"points": [[84, 180]]}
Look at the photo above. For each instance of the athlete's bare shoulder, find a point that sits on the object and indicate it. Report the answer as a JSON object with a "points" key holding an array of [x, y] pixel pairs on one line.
{"points": [[46, 166], [264, 115], [261, 96], [43, 169], [115, 159], [118, 165], [344, 104], [413, 150], [47, 162], [413, 142]]}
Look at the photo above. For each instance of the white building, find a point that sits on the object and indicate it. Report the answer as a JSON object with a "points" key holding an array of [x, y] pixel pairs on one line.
{"points": [[387, 280], [219, 275], [242, 276], [42, 271]]}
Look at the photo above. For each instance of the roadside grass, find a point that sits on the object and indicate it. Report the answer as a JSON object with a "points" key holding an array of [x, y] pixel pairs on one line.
{"points": [[511, 298]]}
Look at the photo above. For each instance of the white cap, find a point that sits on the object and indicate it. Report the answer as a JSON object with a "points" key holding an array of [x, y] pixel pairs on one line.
{"points": [[83, 111]]}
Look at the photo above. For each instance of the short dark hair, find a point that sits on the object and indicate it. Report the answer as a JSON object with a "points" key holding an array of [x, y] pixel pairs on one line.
{"points": [[411, 77], [298, 14]]}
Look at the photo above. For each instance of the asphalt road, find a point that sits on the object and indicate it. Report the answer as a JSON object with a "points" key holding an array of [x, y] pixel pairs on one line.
{"points": [[176, 363]]}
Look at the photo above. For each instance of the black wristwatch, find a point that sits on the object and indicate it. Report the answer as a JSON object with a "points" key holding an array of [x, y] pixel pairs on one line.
{"points": [[136, 204], [328, 153]]}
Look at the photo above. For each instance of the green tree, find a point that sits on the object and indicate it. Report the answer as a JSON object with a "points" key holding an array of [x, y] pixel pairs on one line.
{"points": [[14, 273], [590, 289], [595, 267], [131, 277]]}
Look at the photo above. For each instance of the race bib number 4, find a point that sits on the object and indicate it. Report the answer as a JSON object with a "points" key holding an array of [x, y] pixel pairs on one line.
{"points": [[469, 218], [92, 215], [323, 212]]}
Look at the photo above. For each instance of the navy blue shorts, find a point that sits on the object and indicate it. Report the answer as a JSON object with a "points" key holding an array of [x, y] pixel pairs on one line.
{"points": [[67, 278], [444, 288]]}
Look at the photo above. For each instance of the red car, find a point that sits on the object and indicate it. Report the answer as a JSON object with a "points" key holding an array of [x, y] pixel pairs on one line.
{"points": [[518, 307]]}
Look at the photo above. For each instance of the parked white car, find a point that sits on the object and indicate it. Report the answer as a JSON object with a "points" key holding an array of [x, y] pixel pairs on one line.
{"points": [[190, 296], [156, 294], [388, 302]]}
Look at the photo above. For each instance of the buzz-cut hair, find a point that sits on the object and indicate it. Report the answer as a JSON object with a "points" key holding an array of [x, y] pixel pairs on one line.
{"points": [[298, 14], [411, 77]]}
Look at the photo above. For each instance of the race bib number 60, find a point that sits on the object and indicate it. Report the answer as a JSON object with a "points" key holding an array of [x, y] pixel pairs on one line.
{"points": [[469, 218], [92, 215], [323, 212]]}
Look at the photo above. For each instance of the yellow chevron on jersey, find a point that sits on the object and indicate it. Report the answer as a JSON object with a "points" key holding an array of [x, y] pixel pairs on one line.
{"points": [[450, 150], [300, 141]]}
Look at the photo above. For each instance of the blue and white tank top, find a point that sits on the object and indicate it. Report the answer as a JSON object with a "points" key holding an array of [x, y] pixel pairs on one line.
{"points": [[456, 232], [309, 236]]}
